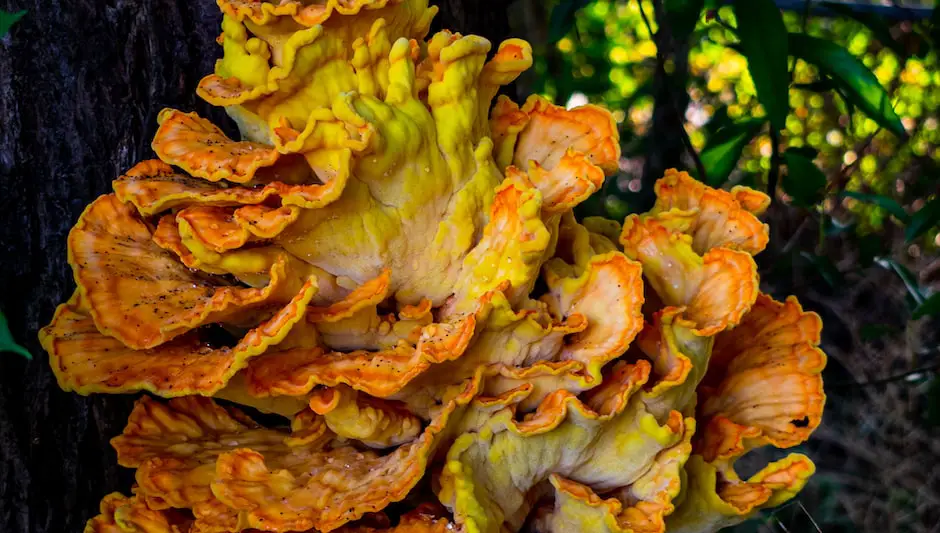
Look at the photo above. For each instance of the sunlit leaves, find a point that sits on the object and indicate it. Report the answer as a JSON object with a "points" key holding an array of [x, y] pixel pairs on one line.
{"points": [[8, 19], [924, 219], [858, 84], [877, 25], [764, 43], [7, 344], [562, 19], [888, 204], [724, 148], [804, 182]]}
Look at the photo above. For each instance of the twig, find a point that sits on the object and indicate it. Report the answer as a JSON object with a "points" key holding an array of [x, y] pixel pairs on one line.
{"points": [[837, 184], [890, 379], [821, 238], [807, 7], [796, 235], [774, 175], [686, 140]]}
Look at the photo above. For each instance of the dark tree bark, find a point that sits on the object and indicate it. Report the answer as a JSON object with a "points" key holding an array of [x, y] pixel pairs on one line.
{"points": [[81, 83], [671, 99], [477, 17]]}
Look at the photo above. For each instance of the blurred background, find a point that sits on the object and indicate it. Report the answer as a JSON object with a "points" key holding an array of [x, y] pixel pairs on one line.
{"points": [[835, 107]]}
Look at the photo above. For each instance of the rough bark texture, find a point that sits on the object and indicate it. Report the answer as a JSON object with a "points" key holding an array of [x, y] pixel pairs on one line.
{"points": [[671, 98], [81, 83]]}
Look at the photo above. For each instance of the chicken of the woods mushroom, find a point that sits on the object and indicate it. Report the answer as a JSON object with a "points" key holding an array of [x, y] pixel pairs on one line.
{"points": [[386, 274]]}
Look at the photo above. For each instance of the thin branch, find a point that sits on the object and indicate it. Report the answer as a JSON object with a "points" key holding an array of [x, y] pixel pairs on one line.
{"points": [[805, 223], [807, 8], [883, 381], [837, 184], [774, 175], [686, 140]]}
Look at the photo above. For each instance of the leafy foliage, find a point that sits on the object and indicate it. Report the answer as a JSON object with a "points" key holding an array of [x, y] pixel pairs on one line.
{"points": [[7, 344], [804, 182], [831, 108], [851, 77], [764, 43], [8, 19], [724, 149]]}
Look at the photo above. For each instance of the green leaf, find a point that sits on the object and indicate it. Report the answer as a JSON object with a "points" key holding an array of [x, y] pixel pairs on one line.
{"points": [[858, 84], [827, 271], [7, 20], [723, 149], [877, 25], [924, 219], [907, 277], [849, 106], [888, 204], [804, 181], [718, 120], [7, 344], [819, 86], [930, 307], [764, 43], [806, 151], [562, 18]]}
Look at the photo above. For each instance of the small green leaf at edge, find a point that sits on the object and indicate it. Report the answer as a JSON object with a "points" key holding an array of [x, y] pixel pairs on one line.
{"points": [[7, 344], [858, 83], [8, 19], [804, 181], [764, 42], [924, 219], [882, 201], [930, 307], [562, 18], [722, 150]]}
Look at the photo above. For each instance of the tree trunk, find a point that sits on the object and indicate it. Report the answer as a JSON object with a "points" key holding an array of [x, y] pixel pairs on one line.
{"points": [[670, 101], [81, 83]]}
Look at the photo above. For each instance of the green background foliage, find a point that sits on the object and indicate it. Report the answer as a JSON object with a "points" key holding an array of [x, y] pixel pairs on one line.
{"points": [[830, 107]]}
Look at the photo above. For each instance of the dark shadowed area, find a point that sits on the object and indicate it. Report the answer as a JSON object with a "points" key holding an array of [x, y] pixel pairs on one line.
{"points": [[81, 83]]}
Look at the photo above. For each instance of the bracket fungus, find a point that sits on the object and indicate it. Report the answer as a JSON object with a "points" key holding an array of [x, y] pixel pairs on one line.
{"points": [[388, 269]]}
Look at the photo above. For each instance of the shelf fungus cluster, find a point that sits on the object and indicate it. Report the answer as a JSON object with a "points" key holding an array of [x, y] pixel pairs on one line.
{"points": [[376, 312]]}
